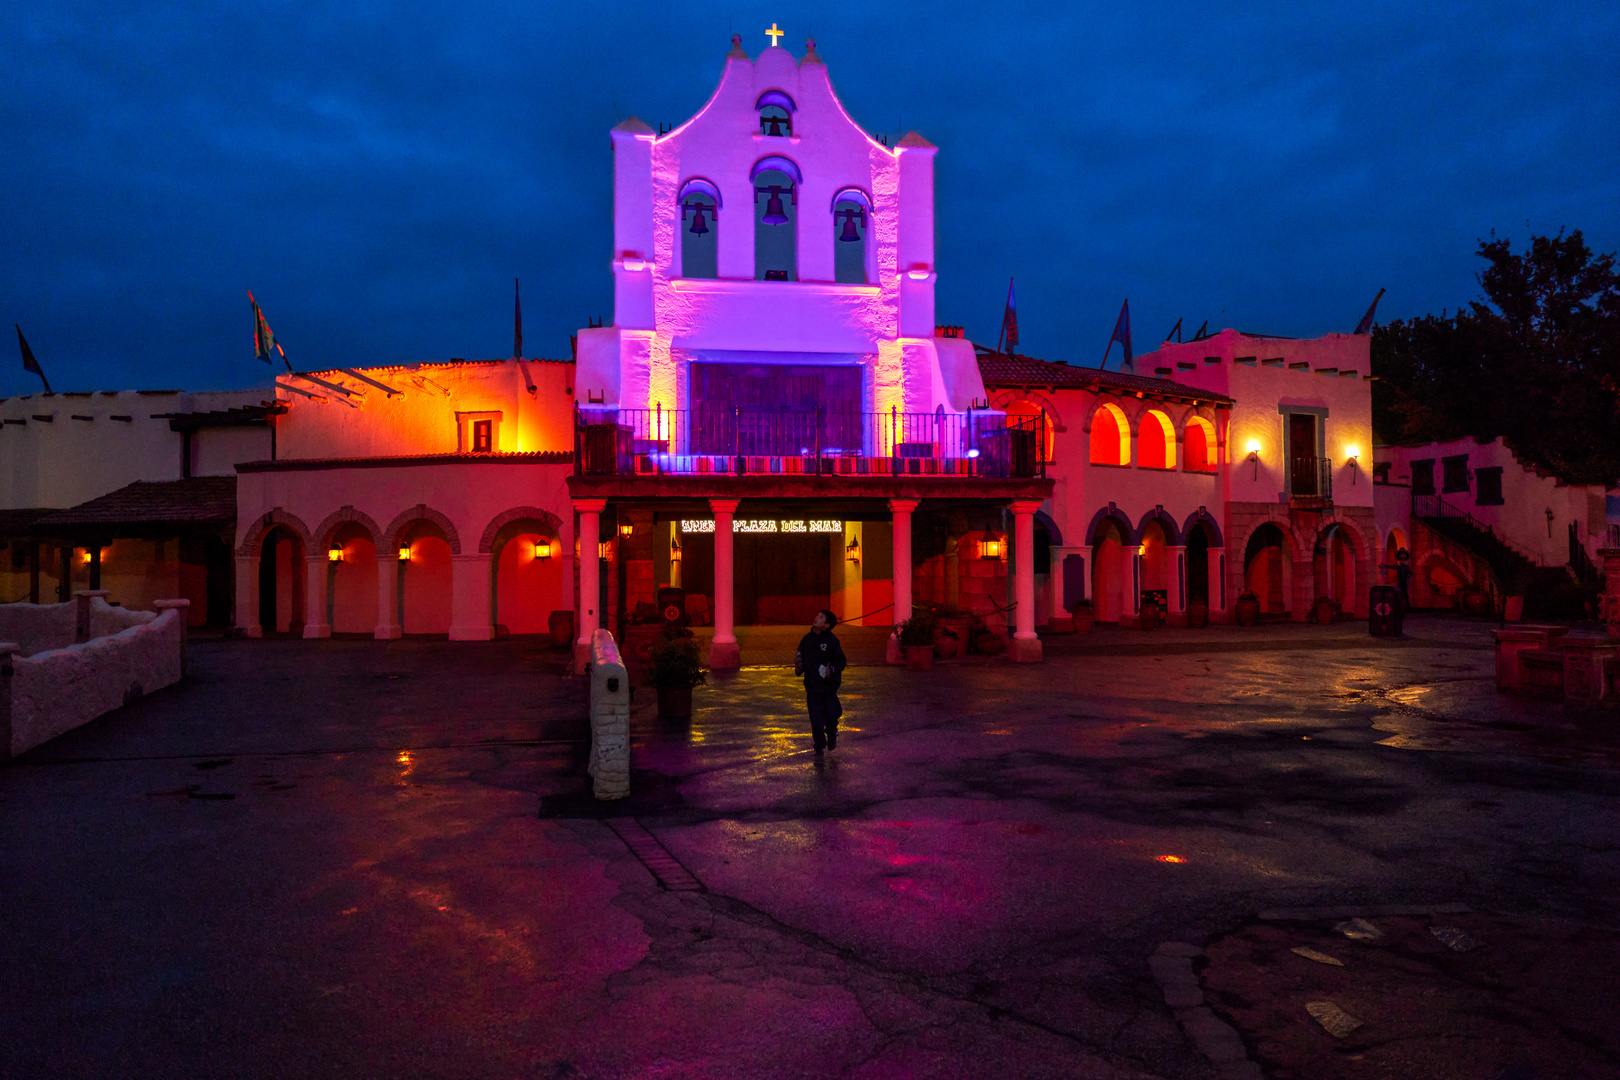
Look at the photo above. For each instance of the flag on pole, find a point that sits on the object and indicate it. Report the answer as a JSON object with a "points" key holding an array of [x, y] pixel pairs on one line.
{"points": [[29, 363], [1175, 332], [517, 320], [1201, 331], [264, 342], [1366, 324], [1122, 334], [1009, 322]]}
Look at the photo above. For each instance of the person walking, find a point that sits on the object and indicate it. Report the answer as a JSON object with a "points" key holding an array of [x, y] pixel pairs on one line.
{"points": [[820, 659]]}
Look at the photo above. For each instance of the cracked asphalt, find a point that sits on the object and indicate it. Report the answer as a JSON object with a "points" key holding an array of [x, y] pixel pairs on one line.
{"points": [[356, 858]]}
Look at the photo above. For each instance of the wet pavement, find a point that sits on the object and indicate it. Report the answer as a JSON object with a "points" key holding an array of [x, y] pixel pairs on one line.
{"points": [[355, 858]]}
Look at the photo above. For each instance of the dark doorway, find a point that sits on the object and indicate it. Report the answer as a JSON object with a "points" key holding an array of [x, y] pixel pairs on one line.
{"points": [[779, 579], [1302, 452], [1198, 566]]}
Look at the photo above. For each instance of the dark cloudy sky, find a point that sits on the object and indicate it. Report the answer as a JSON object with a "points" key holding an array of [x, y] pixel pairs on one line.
{"points": [[378, 174]]}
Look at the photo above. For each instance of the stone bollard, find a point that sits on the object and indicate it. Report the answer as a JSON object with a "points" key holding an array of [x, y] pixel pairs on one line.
{"points": [[610, 719], [81, 632], [182, 606], [6, 650], [1585, 680]]}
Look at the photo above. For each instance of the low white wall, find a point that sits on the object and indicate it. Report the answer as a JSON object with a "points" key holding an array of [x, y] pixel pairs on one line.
{"points": [[59, 689], [610, 719], [37, 627]]}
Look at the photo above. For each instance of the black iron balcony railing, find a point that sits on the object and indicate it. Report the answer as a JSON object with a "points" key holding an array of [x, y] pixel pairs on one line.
{"points": [[1310, 478], [787, 441]]}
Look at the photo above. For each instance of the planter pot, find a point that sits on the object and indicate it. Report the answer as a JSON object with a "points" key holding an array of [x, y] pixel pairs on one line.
{"points": [[1083, 620], [561, 625], [1197, 614], [1246, 611], [1513, 609], [1476, 603], [988, 643], [675, 703], [1151, 618], [945, 647], [919, 657]]}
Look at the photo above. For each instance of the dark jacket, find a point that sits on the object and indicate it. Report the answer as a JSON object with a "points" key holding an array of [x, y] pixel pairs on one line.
{"points": [[816, 650]]}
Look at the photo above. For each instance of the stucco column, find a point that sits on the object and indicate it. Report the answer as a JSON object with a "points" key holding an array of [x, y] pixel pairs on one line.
{"points": [[247, 597], [590, 578], [1175, 561], [316, 568], [388, 627], [901, 509], [1217, 580], [470, 615], [724, 653], [1025, 646]]}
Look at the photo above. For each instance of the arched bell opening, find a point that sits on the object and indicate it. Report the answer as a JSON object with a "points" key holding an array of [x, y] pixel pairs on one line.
{"points": [[530, 577], [699, 228], [852, 218], [776, 220], [281, 582], [351, 582]]}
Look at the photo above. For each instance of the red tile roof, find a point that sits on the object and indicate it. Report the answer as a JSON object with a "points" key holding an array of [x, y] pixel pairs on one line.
{"points": [[201, 500], [999, 369]]}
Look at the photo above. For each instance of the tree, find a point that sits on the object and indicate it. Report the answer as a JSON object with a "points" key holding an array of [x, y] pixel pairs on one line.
{"points": [[1537, 362]]}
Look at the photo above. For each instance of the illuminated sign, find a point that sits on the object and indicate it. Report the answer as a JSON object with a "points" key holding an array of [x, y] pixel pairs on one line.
{"points": [[814, 525]]}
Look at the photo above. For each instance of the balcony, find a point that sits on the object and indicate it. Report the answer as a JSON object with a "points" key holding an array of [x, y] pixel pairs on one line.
{"points": [[709, 441], [1310, 482]]}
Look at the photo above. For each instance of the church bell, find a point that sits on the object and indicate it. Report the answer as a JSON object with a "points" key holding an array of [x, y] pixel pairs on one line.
{"points": [[774, 214], [699, 226], [849, 235]]}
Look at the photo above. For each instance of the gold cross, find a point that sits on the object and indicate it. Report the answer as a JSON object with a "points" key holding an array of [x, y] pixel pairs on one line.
{"points": [[773, 33]]}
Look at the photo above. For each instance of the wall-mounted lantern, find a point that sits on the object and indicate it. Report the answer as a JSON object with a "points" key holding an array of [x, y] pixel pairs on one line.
{"points": [[852, 550], [625, 529], [674, 549], [334, 553], [85, 558], [542, 549], [992, 546], [404, 553], [1352, 454], [604, 550], [1254, 456]]}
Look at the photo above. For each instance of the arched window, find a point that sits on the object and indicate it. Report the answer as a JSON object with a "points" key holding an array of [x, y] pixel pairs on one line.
{"points": [[700, 229], [1110, 437], [776, 111], [776, 219], [1156, 441], [852, 216], [1021, 414], [1198, 446]]}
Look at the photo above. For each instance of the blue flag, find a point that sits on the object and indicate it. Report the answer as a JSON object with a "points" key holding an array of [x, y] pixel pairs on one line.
{"points": [[264, 342], [1122, 334], [29, 363], [1366, 324], [1009, 322]]}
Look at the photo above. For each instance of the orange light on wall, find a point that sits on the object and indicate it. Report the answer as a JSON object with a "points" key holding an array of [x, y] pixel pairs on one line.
{"points": [[404, 553], [85, 557], [542, 549], [992, 546], [626, 529], [334, 553], [604, 550], [674, 550], [1254, 456], [852, 550]]}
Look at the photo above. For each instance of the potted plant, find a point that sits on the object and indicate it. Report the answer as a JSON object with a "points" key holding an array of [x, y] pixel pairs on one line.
{"points": [[917, 636], [1153, 601], [1247, 609], [674, 667], [946, 644]]}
